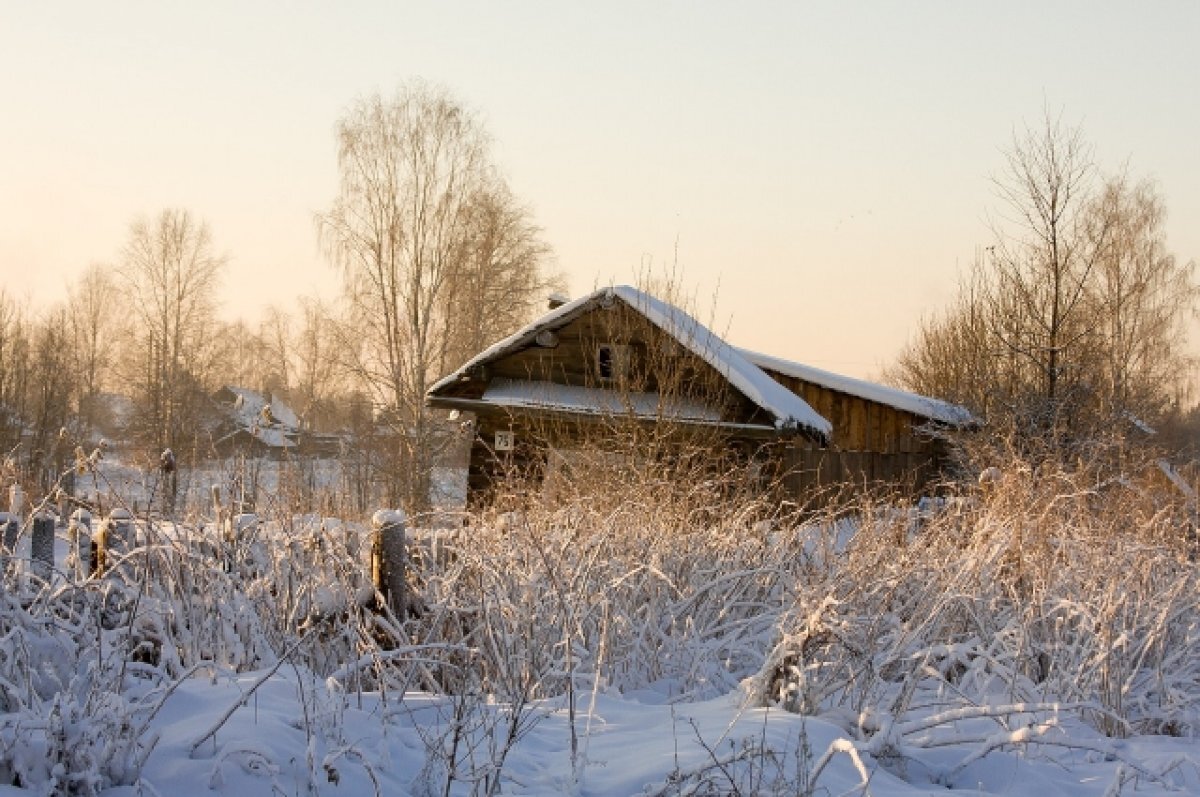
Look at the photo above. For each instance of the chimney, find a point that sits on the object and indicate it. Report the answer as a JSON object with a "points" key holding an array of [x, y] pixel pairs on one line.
{"points": [[556, 300]]}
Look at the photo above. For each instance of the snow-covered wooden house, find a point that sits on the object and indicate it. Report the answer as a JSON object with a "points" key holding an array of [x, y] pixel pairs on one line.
{"points": [[621, 354], [254, 424]]}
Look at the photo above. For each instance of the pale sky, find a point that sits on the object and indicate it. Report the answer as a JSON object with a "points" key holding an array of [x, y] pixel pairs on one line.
{"points": [[823, 170]]}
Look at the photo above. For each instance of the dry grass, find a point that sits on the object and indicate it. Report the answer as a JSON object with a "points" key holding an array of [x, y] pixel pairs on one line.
{"points": [[1047, 591]]}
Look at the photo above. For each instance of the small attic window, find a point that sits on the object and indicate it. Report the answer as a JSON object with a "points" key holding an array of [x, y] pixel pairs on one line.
{"points": [[612, 361]]}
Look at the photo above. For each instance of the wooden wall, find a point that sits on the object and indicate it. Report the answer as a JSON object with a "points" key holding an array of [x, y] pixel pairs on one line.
{"points": [[862, 425], [814, 477], [658, 364], [809, 475], [873, 446]]}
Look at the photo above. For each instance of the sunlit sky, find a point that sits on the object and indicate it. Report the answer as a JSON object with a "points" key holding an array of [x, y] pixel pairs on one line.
{"points": [[823, 171]]}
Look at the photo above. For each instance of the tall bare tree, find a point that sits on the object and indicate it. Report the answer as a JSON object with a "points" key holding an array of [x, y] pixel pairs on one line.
{"points": [[94, 323], [407, 221], [1043, 260], [1141, 297], [499, 281], [169, 271], [314, 363]]}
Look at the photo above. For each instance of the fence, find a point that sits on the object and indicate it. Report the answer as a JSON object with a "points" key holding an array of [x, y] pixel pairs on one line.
{"points": [[95, 550]]}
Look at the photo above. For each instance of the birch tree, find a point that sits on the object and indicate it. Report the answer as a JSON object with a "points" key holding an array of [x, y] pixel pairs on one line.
{"points": [[94, 323], [414, 172], [1141, 297], [169, 272], [498, 283]]}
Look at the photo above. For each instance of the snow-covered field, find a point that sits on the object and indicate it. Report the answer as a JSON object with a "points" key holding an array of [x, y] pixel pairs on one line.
{"points": [[1034, 640], [293, 734]]}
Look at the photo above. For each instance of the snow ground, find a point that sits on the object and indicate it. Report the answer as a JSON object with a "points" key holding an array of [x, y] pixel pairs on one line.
{"points": [[293, 730]]}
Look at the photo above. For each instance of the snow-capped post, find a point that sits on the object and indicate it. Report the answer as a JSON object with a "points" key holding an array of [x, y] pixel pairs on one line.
{"points": [[79, 539], [388, 558], [16, 500], [115, 536], [166, 463], [10, 524], [42, 544], [240, 531]]}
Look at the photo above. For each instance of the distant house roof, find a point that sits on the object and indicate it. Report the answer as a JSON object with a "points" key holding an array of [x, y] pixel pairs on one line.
{"points": [[268, 420], [788, 410], [923, 406]]}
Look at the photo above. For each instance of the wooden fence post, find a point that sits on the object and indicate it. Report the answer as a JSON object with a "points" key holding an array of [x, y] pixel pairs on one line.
{"points": [[16, 501], [80, 560], [41, 547], [388, 558]]}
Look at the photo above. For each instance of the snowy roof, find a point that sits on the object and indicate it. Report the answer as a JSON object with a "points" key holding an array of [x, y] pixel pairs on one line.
{"points": [[272, 428], [926, 407], [248, 409], [789, 410], [550, 395]]}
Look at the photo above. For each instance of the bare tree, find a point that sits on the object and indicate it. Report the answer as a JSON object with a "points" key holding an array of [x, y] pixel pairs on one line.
{"points": [[407, 218], [93, 321], [38, 389], [953, 355], [53, 387], [499, 281], [255, 357], [1141, 297], [15, 363], [1071, 325], [1042, 262], [275, 332], [314, 363], [170, 270]]}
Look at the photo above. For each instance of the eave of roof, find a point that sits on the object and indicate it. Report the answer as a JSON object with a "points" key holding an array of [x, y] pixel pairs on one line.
{"points": [[595, 400], [483, 407]]}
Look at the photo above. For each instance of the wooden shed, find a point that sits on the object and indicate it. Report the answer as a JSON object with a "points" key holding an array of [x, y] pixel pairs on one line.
{"points": [[621, 356]]}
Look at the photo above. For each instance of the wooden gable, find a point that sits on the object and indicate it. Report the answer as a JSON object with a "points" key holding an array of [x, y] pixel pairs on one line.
{"points": [[642, 360]]}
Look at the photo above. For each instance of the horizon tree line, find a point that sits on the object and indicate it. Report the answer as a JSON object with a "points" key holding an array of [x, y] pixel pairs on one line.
{"points": [[1068, 328]]}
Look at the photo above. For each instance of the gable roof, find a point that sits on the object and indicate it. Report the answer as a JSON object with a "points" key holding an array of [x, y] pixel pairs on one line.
{"points": [[923, 406], [790, 412], [264, 418]]}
